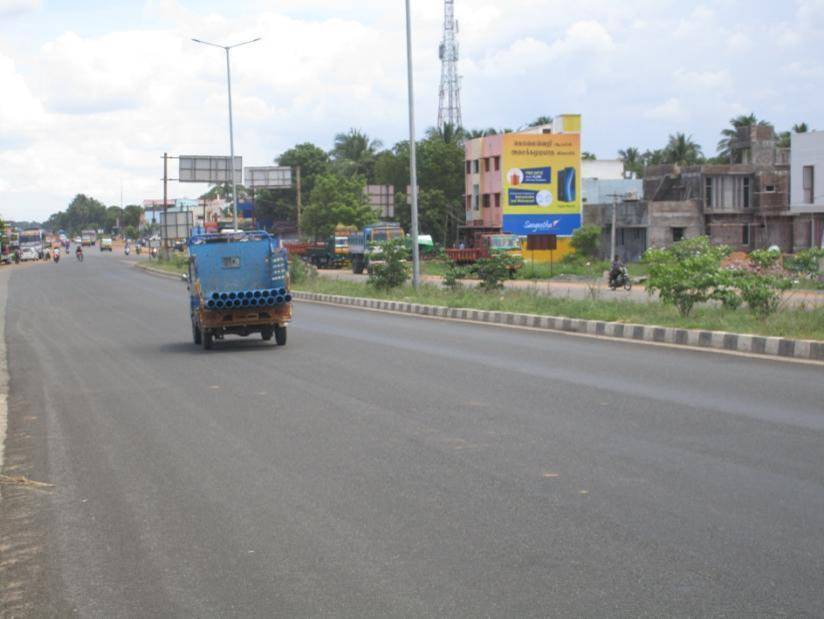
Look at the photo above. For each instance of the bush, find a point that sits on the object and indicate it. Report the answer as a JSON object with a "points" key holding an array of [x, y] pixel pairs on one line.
{"points": [[392, 270], [689, 272], [300, 271], [494, 270], [585, 241], [764, 259], [453, 274], [805, 262], [762, 293]]}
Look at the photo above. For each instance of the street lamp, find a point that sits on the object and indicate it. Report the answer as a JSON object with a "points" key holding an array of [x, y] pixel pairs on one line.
{"points": [[413, 171], [231, 128]]}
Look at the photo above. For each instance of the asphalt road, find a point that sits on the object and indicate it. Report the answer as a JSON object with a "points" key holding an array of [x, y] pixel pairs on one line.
{"points": [[383, 465]]}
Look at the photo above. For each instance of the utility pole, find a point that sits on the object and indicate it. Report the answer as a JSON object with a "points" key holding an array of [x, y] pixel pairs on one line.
{"points": [[612, 228], [413, 170], [165, 205], [298, 204]]}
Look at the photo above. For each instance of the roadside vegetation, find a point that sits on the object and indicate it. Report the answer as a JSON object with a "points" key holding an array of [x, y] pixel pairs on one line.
{"points": [[805, 323]]}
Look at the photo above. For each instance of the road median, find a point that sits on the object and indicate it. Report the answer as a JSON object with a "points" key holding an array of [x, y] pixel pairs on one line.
{"points": [[782, 347]]}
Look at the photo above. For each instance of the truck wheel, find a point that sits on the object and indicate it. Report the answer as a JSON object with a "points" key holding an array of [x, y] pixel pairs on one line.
{"points": [[358, 264], [206, 339], [195, 333], [280, 336], [266, 333]]}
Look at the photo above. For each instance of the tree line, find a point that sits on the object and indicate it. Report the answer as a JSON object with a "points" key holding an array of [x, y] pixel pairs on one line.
{"points": [[85, 212], [681, 149]]}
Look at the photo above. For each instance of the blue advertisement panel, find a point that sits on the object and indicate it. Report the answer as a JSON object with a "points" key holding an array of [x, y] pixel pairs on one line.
{"points": [[561, 225]]}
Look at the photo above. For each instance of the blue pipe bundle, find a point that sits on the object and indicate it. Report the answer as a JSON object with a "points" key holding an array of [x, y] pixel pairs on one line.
{"points": [[248, 298]]}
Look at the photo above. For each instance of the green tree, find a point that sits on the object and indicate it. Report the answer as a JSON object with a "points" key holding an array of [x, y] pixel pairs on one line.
{"points": [[728, 136], [391, 269], [130, 232], [449, 133], [541, 120], [471, 134], [336, 200], [392, 167], [313, 161], [689, 272], [633, 160], [682, 150], [83, 212], [354, 154], [585, 241], [587, 156], [800, 128], [132, 215]]}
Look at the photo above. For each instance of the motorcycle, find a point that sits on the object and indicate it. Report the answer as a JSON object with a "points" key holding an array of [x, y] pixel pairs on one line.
{"points": [[621, 280], [127, 250], [56, 257], [79, 256]]}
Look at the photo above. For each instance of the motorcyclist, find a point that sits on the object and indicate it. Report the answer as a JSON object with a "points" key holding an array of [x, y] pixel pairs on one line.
{"points": [[616, 269], [78, 251]]}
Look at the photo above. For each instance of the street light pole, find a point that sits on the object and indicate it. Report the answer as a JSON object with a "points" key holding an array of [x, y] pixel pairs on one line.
{"points": [[413, 169], [226, 48]]}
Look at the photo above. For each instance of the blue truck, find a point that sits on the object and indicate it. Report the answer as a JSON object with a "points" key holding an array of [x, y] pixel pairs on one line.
{"points": [[238, 284]]}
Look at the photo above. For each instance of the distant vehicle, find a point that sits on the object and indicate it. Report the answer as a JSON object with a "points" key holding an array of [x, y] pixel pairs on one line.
{"points": [[363, 244], [106, 244], [29, 253], [239, 285], [78, 240], [33, 238], [489, 244], [88, 237]]}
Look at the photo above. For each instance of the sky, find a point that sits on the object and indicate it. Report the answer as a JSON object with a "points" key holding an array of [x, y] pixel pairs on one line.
{"points": [[94, 92]]}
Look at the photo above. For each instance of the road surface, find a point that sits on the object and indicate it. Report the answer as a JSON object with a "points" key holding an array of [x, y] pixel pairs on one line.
{"points": [[383, 465]]}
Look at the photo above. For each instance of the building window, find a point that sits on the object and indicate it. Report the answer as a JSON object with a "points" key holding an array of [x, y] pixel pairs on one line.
{"points": [[486, 164], [745, 191], [476, 195], [469, 167], [497, 163], [475, 166], [808, 184], [677, 234], [485, 200], [745, 234], [497, 200], [769, 188], [468, 203], [708, 203]]}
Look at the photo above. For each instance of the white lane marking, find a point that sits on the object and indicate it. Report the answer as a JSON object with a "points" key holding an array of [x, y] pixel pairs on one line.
{"points": [[4, 375]]}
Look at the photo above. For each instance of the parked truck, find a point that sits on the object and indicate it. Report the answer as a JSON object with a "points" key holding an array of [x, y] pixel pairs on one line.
{"points": [[363, 244], [488, 245], [239, 285]]}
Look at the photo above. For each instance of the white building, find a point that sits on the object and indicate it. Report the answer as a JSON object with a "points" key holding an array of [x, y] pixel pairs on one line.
{"points": [[807, 188]]}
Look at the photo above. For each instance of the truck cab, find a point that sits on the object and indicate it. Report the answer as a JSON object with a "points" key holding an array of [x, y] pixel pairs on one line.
{"points": [[364, 243]]}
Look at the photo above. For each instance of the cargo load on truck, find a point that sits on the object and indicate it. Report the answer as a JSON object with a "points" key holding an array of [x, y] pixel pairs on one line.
{"points": [[238, 285], [364, 243]]}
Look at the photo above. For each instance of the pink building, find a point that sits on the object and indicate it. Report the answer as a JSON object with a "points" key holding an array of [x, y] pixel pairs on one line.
{"points": [[484, 183]]}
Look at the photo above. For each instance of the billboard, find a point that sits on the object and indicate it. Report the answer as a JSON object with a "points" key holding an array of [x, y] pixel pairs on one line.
{"points": [[268, 177], [176, 226], [541, 183], [204, 169]]}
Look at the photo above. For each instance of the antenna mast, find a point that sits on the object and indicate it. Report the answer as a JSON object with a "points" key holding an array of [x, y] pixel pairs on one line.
{"points": [[449, 104]]}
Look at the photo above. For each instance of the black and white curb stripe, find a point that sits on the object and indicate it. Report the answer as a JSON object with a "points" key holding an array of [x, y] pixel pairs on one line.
{"points": [[720, 340]]}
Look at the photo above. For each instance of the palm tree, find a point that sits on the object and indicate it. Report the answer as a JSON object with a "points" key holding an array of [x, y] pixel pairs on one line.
{"points": [[682, 150], [471, 134], [586, 156], [449, 133], [632, 160], [541, 120], [800, 128], [354, 153], [728, 136]]}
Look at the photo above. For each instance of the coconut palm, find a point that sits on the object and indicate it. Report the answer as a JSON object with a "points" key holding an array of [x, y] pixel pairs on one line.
{"points": [[449, 133], [354, 153], [728, 136], [682, 150], [541, 120], [632, 160], [800, 128]]}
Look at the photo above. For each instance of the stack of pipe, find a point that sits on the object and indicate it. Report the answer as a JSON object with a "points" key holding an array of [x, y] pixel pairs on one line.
{"points": [[267, 297]]}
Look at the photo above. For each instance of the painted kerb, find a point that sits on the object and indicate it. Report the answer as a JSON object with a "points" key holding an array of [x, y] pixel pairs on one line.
{"points": [[719, 340]]}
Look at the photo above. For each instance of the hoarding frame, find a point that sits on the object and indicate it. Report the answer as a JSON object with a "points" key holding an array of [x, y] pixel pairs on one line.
{"points": [[208, 169], [267, 177]]}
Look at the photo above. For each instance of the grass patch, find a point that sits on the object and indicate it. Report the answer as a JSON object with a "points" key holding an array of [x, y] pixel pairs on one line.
{"points": [[178, 263], [789, 322], [541, 270]]}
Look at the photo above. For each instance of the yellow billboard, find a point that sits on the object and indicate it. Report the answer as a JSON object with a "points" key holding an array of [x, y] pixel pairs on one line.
{"points": [[541, 183]]}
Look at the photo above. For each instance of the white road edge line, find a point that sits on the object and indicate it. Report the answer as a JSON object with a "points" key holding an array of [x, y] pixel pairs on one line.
{"points": [[718, 351], [4, 374]]}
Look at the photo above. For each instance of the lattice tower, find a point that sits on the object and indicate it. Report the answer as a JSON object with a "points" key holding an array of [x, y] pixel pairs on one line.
{"points": [[449, 104]]}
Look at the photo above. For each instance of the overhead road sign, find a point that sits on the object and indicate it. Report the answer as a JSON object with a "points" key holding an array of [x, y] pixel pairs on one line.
{"points": [[206, 169], [268, 177]]}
